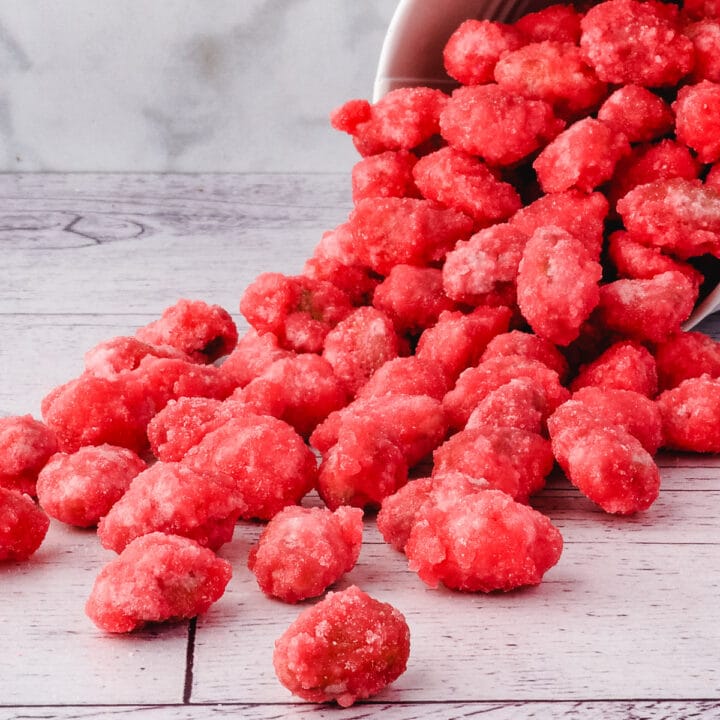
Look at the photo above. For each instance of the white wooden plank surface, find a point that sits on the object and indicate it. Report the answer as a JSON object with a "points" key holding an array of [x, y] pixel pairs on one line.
{"points": [[144, 241], [53, 654], [597, 627], [627, 624], [558, 710]]}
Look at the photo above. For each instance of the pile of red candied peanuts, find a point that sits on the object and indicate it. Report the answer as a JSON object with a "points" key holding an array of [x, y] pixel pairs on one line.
{"points": [[508, 292]]}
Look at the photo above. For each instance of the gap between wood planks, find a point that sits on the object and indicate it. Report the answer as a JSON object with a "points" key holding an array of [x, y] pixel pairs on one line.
{"points": [[189, 661]]}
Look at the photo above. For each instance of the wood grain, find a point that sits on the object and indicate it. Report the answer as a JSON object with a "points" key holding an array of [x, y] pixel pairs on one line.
{"points": [[557, 710], [626, 625], [53, 654], [597, 627], [143, 241], [562, 710]]}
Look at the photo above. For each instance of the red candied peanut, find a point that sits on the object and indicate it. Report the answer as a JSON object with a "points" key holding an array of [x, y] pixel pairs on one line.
{"points": [[476, 383], [302, 391], [635, 260], [686, 355], [556, 22], [705, 36], [337, 244], [676, 215], [398, 512], [582, 215], [569, 422], [392, 231], [173, 499], [23, 525], [510, 459], [264, 459], [401, 120], [368, 447], [298, 310], [253, 354], [649, 309], [361, 468], [180, 425], [184, 422], [80, 488], [387, 174], [302, 551], [557, 284], [583, 156], [336, 261], [634, 411], [357, 281], [610, 467], [165, 379], [462, 182], [638, 113], [590, 407], [485, 267], [501, 127], [697, 119], [350, 115], [608, 407], [649, 163], [625, 365], [26, 445], [518, 404], [157, 578], [628, 41], [204, 332], [554, 72], [528, 346], [414, 423], [359, 345], [406, 376], [412, 297], [119, 354], [346, 648], [457, 340], [473, 50], [474, 450], [91, 410], [691, 415], [482, 542], [396, 516]]}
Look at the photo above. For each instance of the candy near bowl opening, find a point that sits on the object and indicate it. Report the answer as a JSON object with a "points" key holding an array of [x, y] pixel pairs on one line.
{"points": [[412, 55], [412, 50]]}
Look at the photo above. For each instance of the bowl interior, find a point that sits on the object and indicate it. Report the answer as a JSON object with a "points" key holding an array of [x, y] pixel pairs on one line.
{"points": [[412, 55]]}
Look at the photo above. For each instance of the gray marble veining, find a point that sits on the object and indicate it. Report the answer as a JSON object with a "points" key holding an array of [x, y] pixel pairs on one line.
{"points": [[183, 85]]}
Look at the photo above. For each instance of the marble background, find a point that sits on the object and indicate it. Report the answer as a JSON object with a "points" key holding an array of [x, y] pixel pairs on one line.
{"points": [[183, 85]]}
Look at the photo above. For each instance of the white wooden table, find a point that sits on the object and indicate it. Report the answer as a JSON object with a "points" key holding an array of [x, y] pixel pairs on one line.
{"points": [[626, 625]]}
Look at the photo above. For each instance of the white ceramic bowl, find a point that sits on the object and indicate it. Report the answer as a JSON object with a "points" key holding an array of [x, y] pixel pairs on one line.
{"points": [[412, 55]]}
